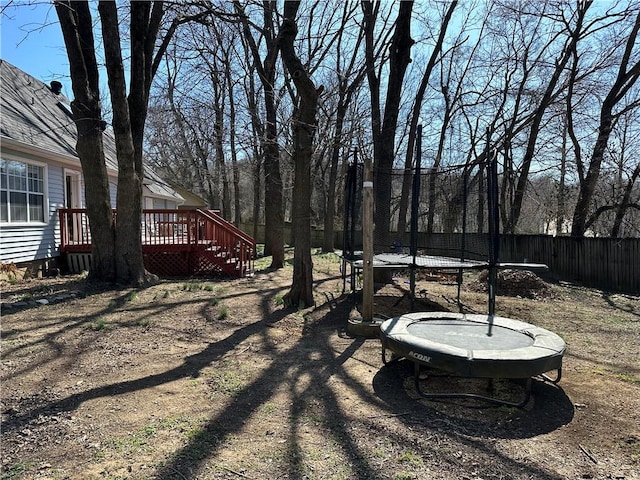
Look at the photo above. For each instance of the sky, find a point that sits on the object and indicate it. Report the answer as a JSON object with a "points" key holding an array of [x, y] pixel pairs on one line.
{"points": [[32, 41]]}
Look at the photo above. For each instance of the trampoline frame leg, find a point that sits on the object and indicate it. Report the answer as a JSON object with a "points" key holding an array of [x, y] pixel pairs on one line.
{"points": [[525, 399], [555, 380]]}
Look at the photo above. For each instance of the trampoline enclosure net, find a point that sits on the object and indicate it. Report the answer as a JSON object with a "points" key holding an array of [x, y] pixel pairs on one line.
{"points": [[449, 217]]}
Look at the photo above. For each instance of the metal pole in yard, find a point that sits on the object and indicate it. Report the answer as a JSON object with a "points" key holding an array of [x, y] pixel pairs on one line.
{"points": [[494, 223], [367, 242], [415, 202]]}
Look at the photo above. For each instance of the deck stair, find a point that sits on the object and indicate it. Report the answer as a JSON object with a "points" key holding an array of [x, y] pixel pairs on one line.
{"points": [[174, 242]]}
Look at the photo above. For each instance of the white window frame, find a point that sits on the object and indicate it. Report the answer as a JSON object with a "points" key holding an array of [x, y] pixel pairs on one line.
{"points": [[44, 193]]}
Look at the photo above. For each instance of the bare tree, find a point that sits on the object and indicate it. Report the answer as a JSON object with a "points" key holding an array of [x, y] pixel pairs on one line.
{"points": [[184, 128], [257, 133], [628, 74], [231, 84], [627, 201], [529, 74], [266, 69], [215, 60], [350, 78], [195, 112], [304, 126], [574, 34], [384, 125], [415, 117]]}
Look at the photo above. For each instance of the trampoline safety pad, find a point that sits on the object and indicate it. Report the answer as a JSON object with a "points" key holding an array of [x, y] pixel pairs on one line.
{"points": [[469, 345]]}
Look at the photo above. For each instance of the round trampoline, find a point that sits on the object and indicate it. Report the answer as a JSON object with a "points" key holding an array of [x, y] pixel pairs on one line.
{"points": [[474, 346]]}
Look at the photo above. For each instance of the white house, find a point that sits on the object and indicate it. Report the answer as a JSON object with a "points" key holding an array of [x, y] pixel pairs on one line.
{"points": [[40, 171]]}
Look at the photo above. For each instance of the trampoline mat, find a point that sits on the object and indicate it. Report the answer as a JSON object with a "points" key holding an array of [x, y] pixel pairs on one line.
{"points": [[427, 261], [468, 335]]}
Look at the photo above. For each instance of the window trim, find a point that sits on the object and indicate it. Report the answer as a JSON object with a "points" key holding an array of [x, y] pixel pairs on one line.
{"points": [[45, 193]]}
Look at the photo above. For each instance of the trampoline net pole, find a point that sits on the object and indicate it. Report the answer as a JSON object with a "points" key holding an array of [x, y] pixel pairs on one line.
{"points": [[347, 235], [415, 200], [351, 220], [494, 219], [350, 208], [463, 243]]}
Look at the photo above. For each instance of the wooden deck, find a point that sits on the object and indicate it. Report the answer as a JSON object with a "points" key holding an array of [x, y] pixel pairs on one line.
{"points": [[174, 242]]}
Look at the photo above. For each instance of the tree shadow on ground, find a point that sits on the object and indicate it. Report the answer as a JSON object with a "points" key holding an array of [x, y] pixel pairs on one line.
{"points": [[24, 295], [311, 357], [66, 325], [191, 366], [306, 371]]}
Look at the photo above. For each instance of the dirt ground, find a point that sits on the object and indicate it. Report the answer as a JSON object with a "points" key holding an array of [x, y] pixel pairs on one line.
{"points": [[216, 379]]}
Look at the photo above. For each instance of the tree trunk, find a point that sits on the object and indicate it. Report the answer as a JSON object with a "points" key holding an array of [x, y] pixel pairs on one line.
{"points": [[507, 187], [101, 219], [75, 22], [128, 130], [273, 210], [561, 205], [257, 130], [369, 22], [330, 210], [588, 186], [237, 218], [222, 166], [257, 194], [304, 125]]}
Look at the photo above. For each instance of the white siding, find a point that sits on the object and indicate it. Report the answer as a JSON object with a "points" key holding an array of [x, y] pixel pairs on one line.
{"points": [[113, 191], [24, 243], [56, 201]]}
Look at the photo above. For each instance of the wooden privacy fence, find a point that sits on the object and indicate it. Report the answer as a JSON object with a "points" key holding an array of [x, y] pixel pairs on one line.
{"points": [[607, 263]]}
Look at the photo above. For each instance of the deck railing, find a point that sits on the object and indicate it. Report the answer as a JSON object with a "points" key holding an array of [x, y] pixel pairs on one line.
{"points": [[230, 239], [74, 229], [171, 227], [165, 230]]}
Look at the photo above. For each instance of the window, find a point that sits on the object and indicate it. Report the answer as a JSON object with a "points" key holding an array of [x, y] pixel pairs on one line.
{"points": [[21, 192], [162, 204]]}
